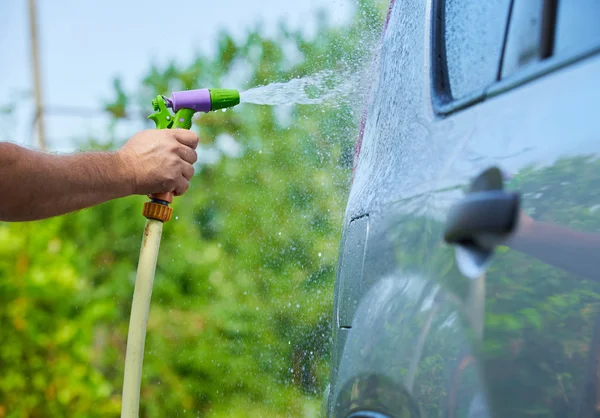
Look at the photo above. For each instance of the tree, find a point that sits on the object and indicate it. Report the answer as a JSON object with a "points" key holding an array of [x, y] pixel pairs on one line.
{"points": [[239, 322]]}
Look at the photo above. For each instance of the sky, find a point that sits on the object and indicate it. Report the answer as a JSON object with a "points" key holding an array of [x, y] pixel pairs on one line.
{"points": [[85, 44]]}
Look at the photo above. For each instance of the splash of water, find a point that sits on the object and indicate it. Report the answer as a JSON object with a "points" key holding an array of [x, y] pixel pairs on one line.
{"points": [[323, 87]]}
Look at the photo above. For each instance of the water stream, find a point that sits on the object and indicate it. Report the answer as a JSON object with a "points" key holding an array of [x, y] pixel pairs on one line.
{"points": [[328, 86]]}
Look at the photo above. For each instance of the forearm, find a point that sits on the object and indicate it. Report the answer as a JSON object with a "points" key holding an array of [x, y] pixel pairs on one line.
{"points": [[35, 185], [571, 250]]}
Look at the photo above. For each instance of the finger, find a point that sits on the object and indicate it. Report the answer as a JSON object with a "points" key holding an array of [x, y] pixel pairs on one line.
{"points": [[187, 154], [182, 185], [186, 137], [187, 171]]}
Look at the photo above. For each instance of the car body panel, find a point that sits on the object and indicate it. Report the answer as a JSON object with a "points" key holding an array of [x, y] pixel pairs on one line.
{"points": [[524, 331]]}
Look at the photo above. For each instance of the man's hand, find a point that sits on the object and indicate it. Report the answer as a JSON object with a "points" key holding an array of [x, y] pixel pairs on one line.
{"points": [[160, 160]]}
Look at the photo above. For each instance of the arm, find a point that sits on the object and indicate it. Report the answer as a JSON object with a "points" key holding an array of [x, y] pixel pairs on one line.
{"points": [[573, 251], [36, 185]]}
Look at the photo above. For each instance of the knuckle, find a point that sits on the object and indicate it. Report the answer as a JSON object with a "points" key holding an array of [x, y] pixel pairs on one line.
{"points": [[171, 177], [173, 158], [190, 136]]}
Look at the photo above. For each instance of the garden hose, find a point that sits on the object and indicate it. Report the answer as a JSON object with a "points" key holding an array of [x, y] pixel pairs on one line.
{"points": [[157, 211]]}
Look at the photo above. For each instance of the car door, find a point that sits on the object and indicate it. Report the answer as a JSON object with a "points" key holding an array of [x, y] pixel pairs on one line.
{"points": [[468, 275]]}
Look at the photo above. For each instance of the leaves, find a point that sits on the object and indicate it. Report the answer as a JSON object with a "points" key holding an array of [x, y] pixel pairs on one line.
{"points": [[239, 321]]}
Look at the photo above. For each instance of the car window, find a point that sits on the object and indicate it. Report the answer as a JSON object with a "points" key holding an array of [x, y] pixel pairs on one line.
{"points": [[577, 27], [474, 34]]}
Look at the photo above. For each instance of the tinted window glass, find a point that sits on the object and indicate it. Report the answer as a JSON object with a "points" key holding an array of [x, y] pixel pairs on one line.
{"points": [[577, 26], [523, 43], [474, 33]]}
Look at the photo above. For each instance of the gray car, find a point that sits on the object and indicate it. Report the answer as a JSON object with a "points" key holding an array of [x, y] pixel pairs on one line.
{"points": [[469, 272]]}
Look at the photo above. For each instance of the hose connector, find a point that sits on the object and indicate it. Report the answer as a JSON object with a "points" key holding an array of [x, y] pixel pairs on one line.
{"points": [[157, 210]]}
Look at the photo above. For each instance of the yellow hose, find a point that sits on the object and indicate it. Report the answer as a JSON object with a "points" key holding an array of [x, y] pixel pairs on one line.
{"points": [[142, 294]]}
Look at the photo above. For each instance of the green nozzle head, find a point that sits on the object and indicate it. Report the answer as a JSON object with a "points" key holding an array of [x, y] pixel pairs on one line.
{"points": [[223, 98]]}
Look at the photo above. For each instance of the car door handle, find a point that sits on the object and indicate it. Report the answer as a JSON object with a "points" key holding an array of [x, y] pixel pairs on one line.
{"points": [[480, 215], [480, 221]]}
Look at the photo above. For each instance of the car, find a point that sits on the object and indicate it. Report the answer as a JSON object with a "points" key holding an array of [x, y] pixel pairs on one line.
{"points": [[468, 280]]}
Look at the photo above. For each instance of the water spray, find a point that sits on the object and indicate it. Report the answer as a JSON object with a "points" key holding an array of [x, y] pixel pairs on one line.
{"points": [[157, 211]]}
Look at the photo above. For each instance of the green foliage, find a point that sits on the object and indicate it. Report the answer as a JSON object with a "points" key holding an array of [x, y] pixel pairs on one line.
{"points": [[118, 106], [239, 322]]}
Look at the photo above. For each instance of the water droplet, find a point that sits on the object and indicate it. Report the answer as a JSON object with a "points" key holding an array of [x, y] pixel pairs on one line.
{"points": [[177, 217], [320, 254]]}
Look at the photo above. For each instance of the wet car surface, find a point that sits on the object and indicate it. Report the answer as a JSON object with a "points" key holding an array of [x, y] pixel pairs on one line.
{"points": [[469, 267]]}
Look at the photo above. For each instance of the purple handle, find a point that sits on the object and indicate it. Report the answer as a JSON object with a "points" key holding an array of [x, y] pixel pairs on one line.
{"points": [[197, 100]]}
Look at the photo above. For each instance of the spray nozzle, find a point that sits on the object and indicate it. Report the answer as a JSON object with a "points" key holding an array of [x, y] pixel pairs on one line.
{"points": [[224, 98], [186, 103], [203, 100]]}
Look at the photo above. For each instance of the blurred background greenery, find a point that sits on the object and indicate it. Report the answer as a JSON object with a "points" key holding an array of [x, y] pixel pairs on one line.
{"points": [[242, 303]]}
